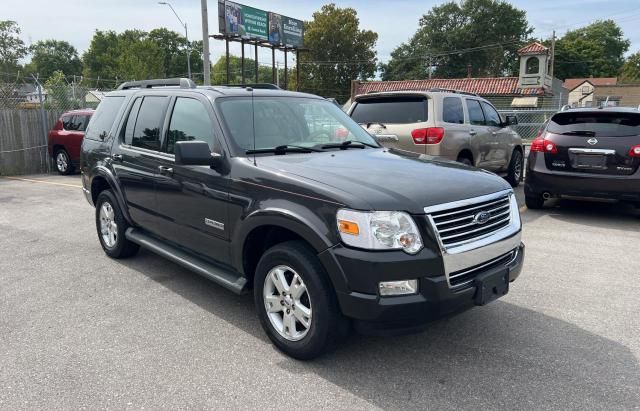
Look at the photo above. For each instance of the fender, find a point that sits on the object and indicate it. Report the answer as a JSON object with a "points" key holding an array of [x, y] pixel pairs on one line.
{"points": [[316, 233], [104, 172]]}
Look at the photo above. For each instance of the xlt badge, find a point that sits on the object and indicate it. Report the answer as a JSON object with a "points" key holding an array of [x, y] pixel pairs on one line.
{"points": [[214, 223]]}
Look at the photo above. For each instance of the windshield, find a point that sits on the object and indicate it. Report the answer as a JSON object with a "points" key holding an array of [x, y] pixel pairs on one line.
{"points": [[292, 121], [596, 123]]}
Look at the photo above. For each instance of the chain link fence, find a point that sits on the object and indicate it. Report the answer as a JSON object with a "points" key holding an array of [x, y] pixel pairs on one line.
{"points": [[28, 110]]}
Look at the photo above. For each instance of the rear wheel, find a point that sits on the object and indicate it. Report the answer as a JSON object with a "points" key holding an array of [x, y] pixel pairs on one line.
{"points": [[465, 160], [514, 174], [296, 302], [534, 202], [111, 227], [63, 162]]}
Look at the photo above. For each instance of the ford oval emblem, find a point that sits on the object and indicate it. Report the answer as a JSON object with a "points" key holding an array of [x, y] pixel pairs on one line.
{"points": [[482, 217], [592, 141]]}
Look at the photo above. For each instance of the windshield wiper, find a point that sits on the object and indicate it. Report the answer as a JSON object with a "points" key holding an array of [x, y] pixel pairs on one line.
{"points": [[349, 144], [283, 149], [579, 133]]}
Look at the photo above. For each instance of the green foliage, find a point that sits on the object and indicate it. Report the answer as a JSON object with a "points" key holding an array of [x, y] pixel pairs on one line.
{"points": [[138, 55], [595, 50], [12, 48], [630, 71], [339, 52], [461, 26], [49, 56], [265, 73], [57, 89]]}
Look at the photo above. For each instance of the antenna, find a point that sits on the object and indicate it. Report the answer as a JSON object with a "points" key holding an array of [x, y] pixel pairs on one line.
{"points": [[253, 124]]}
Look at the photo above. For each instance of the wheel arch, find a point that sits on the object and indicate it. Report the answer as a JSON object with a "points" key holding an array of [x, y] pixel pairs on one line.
{"points": [[102, 180]]}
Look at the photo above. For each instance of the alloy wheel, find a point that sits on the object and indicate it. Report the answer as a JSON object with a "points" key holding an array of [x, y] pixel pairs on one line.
{"points": [[287, 303], [62, 162], [108, 226]]}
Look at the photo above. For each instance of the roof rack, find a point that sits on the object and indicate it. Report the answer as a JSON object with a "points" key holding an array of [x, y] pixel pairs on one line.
{"points": [[263, 86], [163, 82]]}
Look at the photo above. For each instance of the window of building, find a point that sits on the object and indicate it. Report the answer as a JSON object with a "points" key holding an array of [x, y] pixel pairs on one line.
{"points": [[532, 65]]}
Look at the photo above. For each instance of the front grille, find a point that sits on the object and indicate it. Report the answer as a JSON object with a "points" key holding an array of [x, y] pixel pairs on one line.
{"points": [[462, 278], [456, 226]]}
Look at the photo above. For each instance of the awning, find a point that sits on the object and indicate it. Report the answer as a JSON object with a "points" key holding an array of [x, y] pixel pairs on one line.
{"points": [[525, 102]]}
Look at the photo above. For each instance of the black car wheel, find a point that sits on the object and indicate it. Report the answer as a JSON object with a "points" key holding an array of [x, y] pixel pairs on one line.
{"points": [[514, 175], [111, 227], [63, 162], [465, 160], [534, 202], [296, 302]]}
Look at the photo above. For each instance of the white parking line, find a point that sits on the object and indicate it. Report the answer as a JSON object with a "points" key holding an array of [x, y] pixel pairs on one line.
{"points": [[42, 181]]}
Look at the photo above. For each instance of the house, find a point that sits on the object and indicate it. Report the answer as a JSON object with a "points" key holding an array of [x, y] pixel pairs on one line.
{"points": [[533, 88], [624, 95], [581, 89]]}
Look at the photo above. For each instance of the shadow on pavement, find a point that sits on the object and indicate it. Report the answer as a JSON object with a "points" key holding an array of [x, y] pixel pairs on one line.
{"points": [[498, 356], [596, 214]]}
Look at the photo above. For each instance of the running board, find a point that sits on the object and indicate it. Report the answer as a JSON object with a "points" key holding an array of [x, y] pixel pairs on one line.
{"points": [[226, 278]]}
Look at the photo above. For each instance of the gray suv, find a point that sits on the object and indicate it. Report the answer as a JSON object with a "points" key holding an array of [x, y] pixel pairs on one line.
{"points": [[454, 125]]}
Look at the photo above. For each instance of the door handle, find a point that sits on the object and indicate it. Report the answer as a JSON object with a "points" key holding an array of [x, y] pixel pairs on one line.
{"points": [[116, 157], [472, 132], [164, 170]]}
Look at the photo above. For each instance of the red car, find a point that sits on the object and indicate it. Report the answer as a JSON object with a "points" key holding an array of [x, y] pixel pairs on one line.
{"points": [[66, 138]]}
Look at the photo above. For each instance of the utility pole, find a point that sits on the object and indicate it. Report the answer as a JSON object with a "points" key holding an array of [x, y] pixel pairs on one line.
{"points": [[186, 36], [205, 43], [553, 53]]}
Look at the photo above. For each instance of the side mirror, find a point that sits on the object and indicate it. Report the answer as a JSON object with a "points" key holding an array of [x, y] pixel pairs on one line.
{"points": [[511, 120], [195, 153]]}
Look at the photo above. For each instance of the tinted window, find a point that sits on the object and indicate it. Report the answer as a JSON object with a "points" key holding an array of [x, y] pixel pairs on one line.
{"points": [[131, 121], [476, 117], [598, 123], [189, 121], [146, 133], [392, 110], [81, 122], [493, 118], [67, 123], [103, 118], [452, 110]]}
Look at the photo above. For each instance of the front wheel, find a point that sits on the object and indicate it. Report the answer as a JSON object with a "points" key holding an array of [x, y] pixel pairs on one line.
{"points": [[514, 174], [63, 162], [296, 302]]}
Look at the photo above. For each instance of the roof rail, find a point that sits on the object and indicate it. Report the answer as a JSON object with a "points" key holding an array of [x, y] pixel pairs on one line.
{"points": [[163, 82], [565, 107], [263, 86], [447, 90]]}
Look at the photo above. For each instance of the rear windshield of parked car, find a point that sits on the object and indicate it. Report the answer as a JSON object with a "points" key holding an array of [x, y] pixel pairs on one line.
{"points": [[390, 110], [596, 123], [102, 120]]}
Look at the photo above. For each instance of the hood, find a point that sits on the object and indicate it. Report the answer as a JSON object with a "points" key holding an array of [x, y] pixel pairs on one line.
{"points": [[380, 179]]}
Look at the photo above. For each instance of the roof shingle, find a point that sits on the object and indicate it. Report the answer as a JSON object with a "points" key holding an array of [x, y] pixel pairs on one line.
{"points": [[533, 48], [572, 83]]}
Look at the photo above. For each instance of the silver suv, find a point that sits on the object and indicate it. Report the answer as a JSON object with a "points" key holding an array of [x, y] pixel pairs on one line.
{"points": [[454, 125]]}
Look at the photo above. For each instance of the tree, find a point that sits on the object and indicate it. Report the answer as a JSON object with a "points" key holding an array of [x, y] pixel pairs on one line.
{"points": [[54, 55], [175, 52], [480, 35], [12, 48], [219, 71], [594, 50], [339, 52], [57, 91], [630, 71]]}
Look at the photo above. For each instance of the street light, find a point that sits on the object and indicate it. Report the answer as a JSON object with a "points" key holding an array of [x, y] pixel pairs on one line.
{"points": [[186, 35]]}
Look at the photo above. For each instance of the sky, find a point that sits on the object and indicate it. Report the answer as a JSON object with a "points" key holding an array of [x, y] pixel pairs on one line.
{"points": [[395, 21]]}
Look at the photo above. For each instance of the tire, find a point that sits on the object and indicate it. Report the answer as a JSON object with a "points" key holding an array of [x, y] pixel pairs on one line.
{"points": [[63, 162], [295, 263], [516, 166], [534, 202], [109, 217], [465, 160]]}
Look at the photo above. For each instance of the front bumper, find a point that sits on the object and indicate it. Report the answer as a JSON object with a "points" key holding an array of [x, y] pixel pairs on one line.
{"points": [[435, 298]]}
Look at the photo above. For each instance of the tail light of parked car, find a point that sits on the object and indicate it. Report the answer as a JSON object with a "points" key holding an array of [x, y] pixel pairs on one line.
{"points": [[430, 135], [635, 151], [543, 145]]}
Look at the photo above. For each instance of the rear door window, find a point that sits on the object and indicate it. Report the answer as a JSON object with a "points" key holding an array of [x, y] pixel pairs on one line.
{"points": [[146, 133], [452, 110], [595, 123], [390, 110], [102, 120], [476, 116], [67, 123]]}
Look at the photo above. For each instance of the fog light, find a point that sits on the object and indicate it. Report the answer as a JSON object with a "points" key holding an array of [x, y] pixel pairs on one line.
{"points": [[398, 287]]}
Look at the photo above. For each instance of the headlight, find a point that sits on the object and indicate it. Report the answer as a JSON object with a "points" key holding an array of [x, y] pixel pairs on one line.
{"points": [[379, 230]]}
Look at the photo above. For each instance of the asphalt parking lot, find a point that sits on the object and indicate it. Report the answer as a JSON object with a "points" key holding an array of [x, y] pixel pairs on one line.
{"points": [[79, 330]]}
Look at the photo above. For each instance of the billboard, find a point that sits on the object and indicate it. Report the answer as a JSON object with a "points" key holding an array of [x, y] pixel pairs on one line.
{"points": [[285, 31], [245, 21], [248, 22]]}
